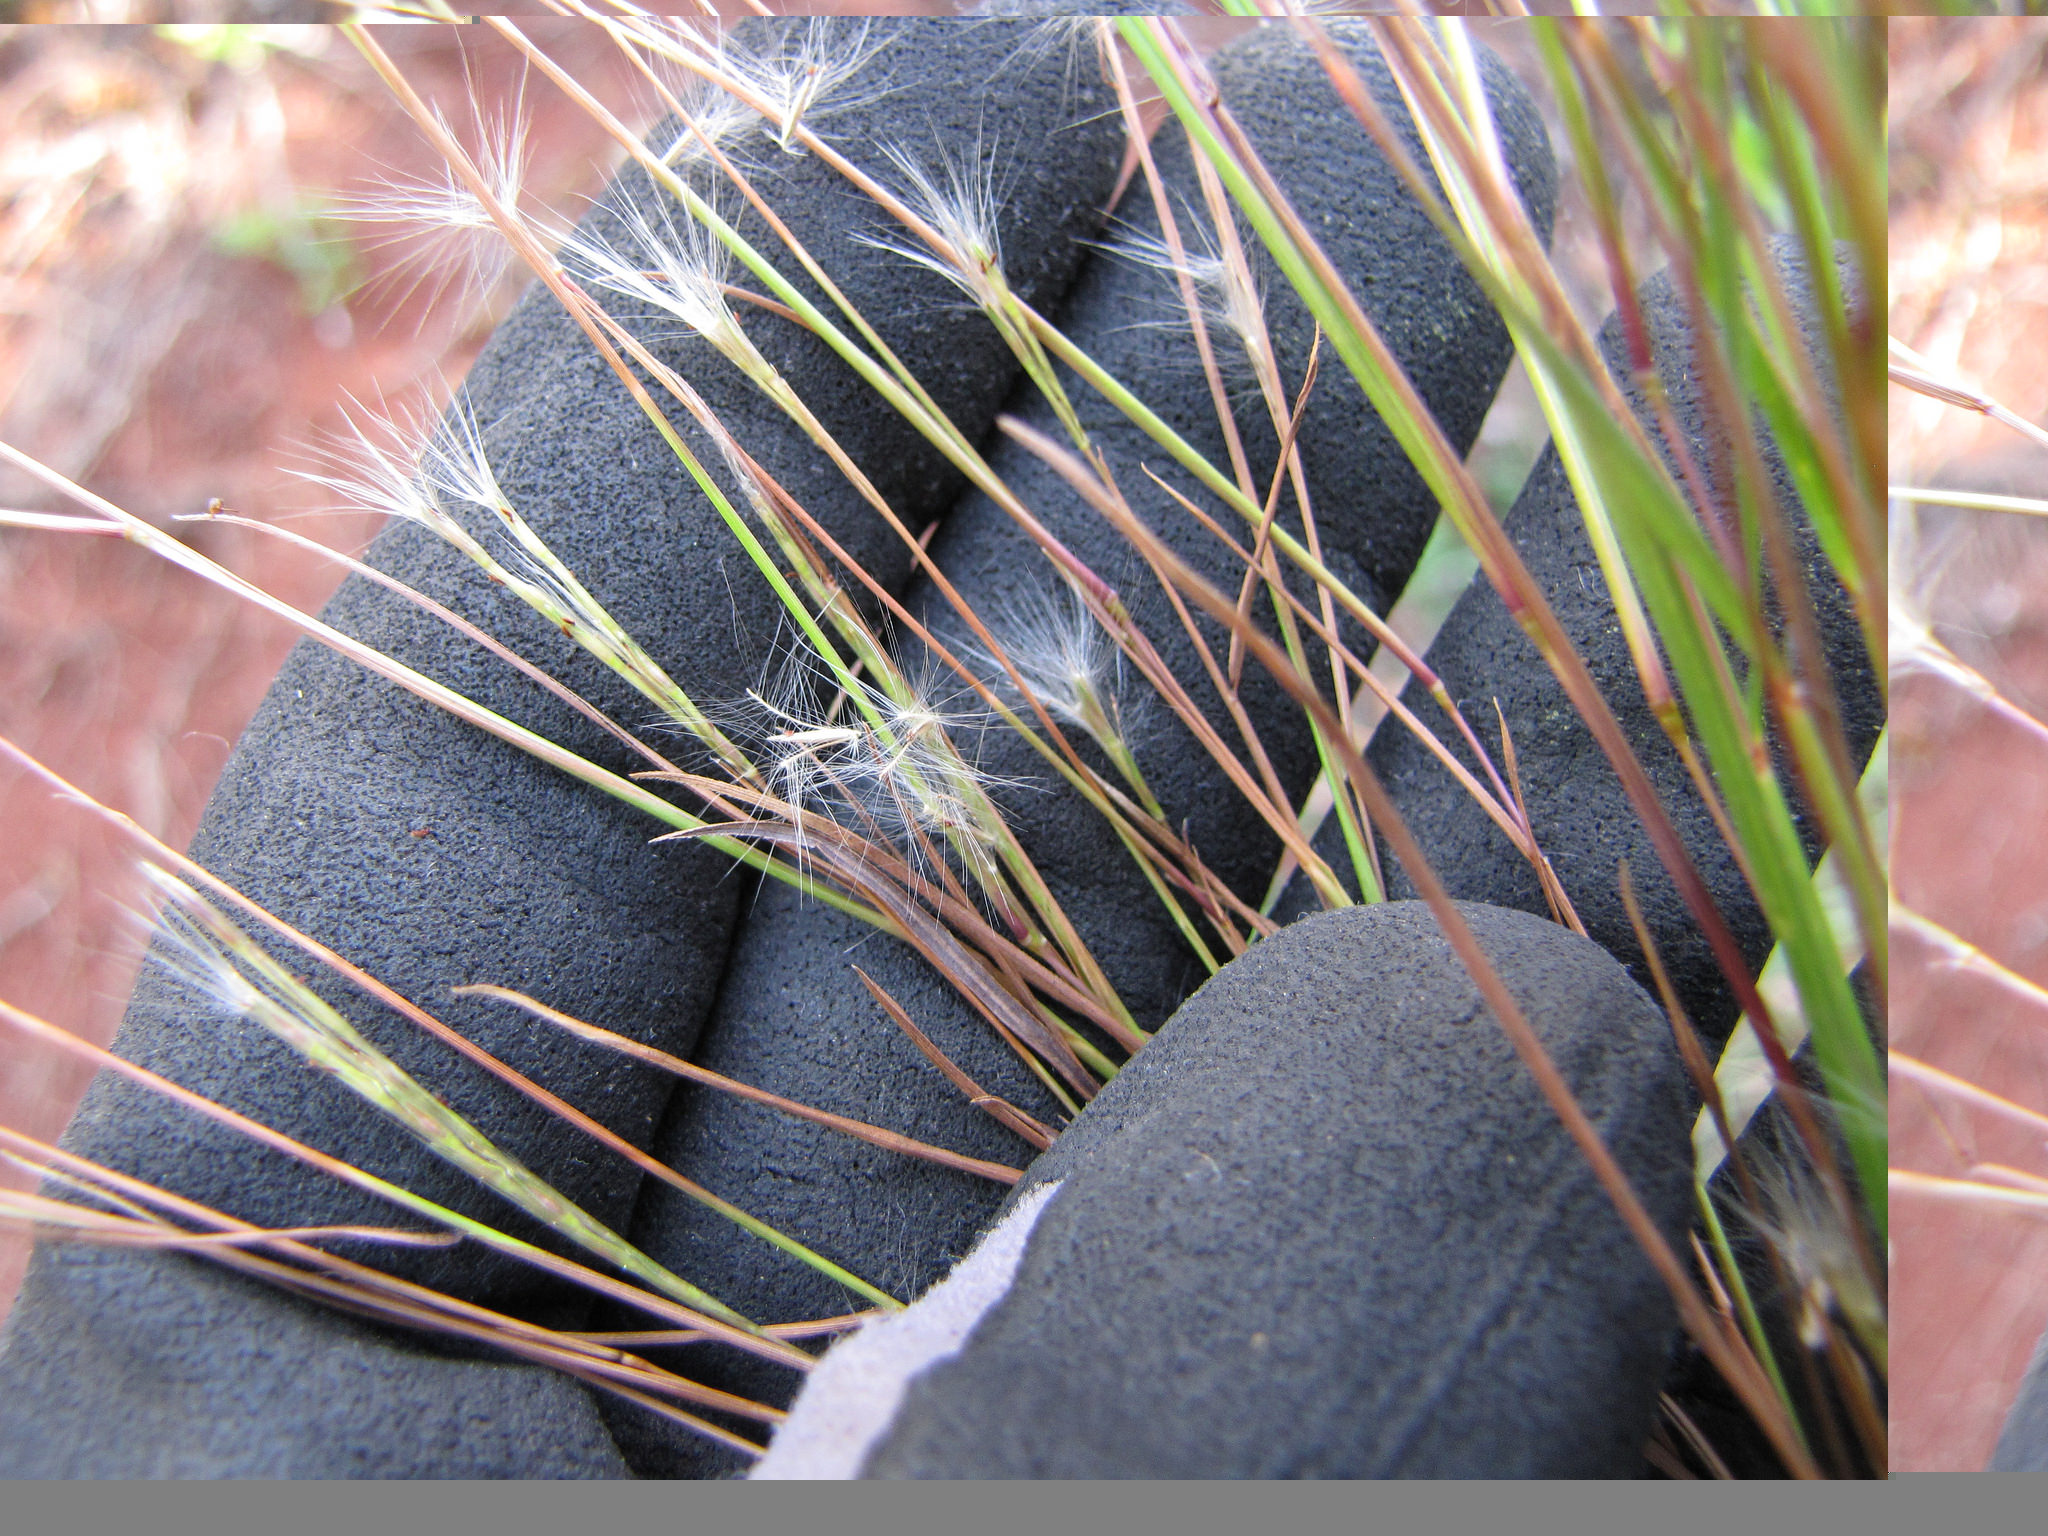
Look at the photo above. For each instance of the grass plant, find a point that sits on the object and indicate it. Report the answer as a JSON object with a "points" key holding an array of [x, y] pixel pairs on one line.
{"points": [[856, 780]]}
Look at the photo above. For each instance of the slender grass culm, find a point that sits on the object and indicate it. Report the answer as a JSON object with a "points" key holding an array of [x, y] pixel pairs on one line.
{"points": [[1007, 584], [1370, 514]]}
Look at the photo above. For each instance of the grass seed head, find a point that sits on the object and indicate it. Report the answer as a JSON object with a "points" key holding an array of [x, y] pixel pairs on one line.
{"points": [[960, 202], [373, 462], [1233, 302], [441, 228], [1064, 656], [672, 265], [808, 71], [905, 783], [714, 114]]}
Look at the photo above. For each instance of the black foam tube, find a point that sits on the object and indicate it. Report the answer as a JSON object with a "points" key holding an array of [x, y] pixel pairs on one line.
{"points": [[1581, 814], [1332, 1170], [791, 1016], [435, 856]]}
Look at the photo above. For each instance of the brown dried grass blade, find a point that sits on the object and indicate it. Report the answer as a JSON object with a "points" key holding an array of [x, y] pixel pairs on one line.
{"points": [[999, 1108]]}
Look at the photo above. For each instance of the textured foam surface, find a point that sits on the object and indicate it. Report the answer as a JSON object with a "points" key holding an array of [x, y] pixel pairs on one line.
{"points": [[1581, 814], [791, 1016], [1332, 1172], [523, 877], [853, 1394], [144, 1369]]}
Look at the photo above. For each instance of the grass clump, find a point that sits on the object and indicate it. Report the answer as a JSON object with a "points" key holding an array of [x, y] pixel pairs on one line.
{"points": [[860, 779]]}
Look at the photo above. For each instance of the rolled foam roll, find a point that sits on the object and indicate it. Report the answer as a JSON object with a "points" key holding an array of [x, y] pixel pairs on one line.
{"points": [[1324, 1225], [434, 856], [1582, 816], [791, 1016]]}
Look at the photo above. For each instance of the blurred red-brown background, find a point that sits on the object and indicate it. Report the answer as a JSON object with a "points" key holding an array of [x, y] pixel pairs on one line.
{"points": [[1969, 289]]}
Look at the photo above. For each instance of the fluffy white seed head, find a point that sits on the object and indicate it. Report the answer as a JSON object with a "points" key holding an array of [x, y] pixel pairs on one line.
{"points": [[670, 263], [800, 75], [908, 782], [810, 70], [714, 114], [453, 462], [439, 226], [1230, 302], [185, 951], [373, 462], [410, 462], [957, 197], [1820, 1256], [1064, 656]]}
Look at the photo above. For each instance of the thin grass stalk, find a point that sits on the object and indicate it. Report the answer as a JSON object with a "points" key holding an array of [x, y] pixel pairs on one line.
{"points": [[1320, 576], [1906, 367], [1639, 483], [1903, 1181], [1958, 953], [690, 1072], [1934, 1080], [1799, 444], [1497, 234], [290, 1010], [1499, 802], [533, 674], [199, 875], [1835, 101], [1536, 276], [999, 1109], [356, 1287], [1975, 501], [743, 1335], [1741, 1373], [1058, 1043]]}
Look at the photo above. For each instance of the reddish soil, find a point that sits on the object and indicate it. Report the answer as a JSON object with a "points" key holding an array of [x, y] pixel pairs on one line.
{"points": [[1970, 790]]}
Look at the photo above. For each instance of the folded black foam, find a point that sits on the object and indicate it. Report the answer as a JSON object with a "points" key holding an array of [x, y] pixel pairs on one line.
{"points": [[1326, 1225], [435, 856], [145, 1369], [791, 1015], [1582, 816]]}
